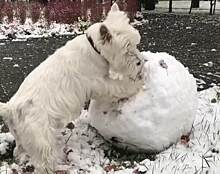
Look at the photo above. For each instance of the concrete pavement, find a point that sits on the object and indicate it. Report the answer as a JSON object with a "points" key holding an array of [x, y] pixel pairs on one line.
{"points": [[184, 7]]}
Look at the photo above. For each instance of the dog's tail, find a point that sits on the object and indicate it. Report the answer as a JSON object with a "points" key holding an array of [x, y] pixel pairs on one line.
{"points": [[5, 110]]}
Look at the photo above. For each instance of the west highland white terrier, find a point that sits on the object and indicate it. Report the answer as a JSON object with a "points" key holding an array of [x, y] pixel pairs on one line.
{"points": [[54, 93]]}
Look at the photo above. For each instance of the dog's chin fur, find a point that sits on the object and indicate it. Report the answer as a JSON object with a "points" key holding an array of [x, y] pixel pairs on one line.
{"points": [[54, 93]]}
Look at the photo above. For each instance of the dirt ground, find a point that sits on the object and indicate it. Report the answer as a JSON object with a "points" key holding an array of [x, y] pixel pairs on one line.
{"points": [[192, 39]]}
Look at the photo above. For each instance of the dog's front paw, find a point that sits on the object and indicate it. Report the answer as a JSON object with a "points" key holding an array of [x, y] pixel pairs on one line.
{"points": [[134, 86]]}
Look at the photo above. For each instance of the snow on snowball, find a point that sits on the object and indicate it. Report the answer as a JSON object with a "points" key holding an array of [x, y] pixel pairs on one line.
{"points": [[158, 115]]}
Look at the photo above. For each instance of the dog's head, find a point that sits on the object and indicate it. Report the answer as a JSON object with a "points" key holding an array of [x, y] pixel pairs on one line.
{"points": [[117, 42]]}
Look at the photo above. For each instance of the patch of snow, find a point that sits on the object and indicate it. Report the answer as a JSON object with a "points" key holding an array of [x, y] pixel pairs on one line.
{"points": [[193, 44], [2, 36], [15, 65], [5, 140], [5, 170], [19, 32], [7, 58], [201, 86], [6, 137], [209, 64], [139, 22], [200, 81], [20, 40], [3, 148]]}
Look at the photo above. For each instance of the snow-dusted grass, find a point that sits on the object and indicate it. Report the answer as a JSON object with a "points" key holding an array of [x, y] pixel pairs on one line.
{"points": [[16, 29], [87, 152], [41, 28]]}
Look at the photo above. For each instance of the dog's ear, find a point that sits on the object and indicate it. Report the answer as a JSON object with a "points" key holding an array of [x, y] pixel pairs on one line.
{"points": [[105, 34], [115, 7]]}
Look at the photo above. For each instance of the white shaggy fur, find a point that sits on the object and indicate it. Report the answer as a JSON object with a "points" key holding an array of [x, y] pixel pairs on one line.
{"points": [[54, 93]]}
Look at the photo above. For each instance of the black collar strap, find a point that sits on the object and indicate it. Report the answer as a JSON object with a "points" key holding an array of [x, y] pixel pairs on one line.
{"points": [[92, 43]]}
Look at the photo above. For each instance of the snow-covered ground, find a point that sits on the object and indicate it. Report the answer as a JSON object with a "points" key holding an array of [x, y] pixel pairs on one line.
{"points": [[87, 152], [15, 30]]}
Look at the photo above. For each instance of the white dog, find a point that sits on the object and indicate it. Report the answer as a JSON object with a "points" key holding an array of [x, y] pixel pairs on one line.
{"points": [[54, 93]]}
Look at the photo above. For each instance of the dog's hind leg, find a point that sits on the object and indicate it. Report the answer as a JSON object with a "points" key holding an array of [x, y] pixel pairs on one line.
{"points": [[38, 142], [20, 154]]}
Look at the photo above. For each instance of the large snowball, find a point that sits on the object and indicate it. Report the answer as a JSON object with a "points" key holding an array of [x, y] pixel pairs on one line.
{"points": [[158, 115]]}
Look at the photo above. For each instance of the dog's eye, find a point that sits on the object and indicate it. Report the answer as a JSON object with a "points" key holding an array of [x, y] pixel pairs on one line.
{"points": [[138, 63]]}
